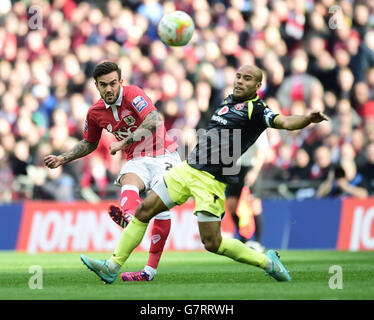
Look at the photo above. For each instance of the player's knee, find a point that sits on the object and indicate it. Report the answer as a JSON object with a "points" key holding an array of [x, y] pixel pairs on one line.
{"points": [[143, 213], [211, 244]]}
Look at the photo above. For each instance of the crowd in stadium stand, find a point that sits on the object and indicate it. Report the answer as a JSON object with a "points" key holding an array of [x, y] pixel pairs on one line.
{"points": [[316, 55]]}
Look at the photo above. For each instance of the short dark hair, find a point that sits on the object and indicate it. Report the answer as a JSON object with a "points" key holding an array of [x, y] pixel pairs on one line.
{"points": [[105, 68]]}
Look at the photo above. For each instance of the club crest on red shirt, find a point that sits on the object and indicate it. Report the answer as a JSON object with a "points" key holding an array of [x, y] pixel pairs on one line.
{"points": [[125, 113]]}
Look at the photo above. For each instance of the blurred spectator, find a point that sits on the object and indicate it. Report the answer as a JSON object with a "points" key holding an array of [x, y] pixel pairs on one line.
{"points": [[367, 169], [6, 175], [363, 104], [300, 184], [285, 157], [347, 151], [358, 144], [369, 131], [322, 65], [368, 48], [356, 55], [345, 83], [20, 158], [333, 143], [270, 171], [299, 85], [370, 82], [153, 11], [52, 184], [345, 119], [343, 180], [95, 176], [361, 15], [322, 164], [300, 168]]}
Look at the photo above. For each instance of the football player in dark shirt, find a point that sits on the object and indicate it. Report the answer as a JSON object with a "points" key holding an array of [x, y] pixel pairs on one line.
{"points": [[234, 127]]}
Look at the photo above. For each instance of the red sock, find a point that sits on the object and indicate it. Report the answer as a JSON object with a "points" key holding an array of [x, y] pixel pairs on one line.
{"points": [[160, 232], [129, 200]]}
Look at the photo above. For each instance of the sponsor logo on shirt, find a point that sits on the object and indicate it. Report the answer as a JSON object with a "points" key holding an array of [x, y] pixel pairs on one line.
{"points": [[139, 103], [130, 120], [223, 110], [120, 135], [219, 119]]}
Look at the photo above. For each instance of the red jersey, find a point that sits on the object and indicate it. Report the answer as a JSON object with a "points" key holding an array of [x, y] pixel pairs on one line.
{"points": [[124, 117]]}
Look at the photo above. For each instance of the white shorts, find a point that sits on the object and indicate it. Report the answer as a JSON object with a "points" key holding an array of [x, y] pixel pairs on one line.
{"points": [[150, 170]]}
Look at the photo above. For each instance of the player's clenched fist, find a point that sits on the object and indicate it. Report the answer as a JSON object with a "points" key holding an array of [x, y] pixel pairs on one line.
{"points": [[51, 161]]}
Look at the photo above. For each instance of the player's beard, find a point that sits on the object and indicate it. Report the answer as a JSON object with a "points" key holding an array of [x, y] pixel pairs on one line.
{"points": [[113, 98]]}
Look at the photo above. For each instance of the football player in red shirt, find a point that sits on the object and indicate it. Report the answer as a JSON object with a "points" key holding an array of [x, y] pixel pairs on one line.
{"points": [[129, 114]]}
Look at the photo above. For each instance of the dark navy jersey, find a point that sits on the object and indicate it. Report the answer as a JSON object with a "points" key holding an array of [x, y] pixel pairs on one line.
{"points": [[233, 128]]}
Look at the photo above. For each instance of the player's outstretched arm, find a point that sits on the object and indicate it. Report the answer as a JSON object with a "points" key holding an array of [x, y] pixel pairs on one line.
{"points": [[147, 127], [297, 122], [81, 149]]}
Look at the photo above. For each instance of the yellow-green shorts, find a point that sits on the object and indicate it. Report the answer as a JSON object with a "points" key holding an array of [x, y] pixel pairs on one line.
{"points": [[184, 181]]}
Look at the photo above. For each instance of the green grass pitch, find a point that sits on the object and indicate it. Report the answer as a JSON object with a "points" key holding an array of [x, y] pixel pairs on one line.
{"points": [[189, 276]]}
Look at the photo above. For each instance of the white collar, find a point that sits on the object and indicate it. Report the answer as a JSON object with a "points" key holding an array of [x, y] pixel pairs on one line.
{"points": [[118, 102]]}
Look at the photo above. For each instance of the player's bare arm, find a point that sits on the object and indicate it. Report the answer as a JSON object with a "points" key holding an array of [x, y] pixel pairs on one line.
{"points": [[296, 122], [148, 126], [81, 149]]}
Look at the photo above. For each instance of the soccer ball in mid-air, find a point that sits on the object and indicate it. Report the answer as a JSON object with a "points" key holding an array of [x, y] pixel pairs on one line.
{"points": [[176, 28]]}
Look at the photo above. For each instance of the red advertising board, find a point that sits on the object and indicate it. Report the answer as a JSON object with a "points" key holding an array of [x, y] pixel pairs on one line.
{"points": [[356, 230], [83, 226]]}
